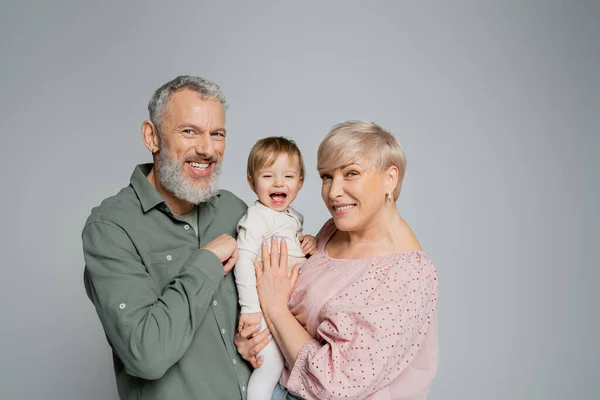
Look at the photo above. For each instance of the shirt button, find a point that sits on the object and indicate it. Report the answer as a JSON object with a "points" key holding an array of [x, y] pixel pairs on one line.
{"points": [[122, 306], [186, 227], [234, 361], [169, 257], [223, 331], [243, 388], [215, 303]]}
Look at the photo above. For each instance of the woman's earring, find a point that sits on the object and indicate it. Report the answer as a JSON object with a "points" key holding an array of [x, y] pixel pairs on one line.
{"points": [[389, 197]]}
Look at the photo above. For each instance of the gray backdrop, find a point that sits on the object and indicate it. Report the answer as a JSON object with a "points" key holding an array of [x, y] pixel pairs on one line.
{"points": [[496, 104]]}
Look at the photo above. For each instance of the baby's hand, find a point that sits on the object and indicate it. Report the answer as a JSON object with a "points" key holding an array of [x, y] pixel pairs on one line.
{"points": [[249, 319], [308, 244]]}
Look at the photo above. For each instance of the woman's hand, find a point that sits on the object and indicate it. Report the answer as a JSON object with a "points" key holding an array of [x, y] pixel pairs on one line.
{"points": [[273, 285], [274, 289]]}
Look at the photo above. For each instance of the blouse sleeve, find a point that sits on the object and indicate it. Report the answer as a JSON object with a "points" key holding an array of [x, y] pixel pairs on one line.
{"points": [[370, 332]]}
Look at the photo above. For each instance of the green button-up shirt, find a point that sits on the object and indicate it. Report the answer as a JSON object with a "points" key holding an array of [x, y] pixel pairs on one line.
{"points": [[167, 311]]}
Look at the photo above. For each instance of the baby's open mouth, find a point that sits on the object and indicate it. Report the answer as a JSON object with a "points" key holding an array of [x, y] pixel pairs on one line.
{"points": [[278, 197]]}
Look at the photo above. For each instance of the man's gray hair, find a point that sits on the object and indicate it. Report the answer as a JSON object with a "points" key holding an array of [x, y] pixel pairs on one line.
{"points": [[208, 90]]}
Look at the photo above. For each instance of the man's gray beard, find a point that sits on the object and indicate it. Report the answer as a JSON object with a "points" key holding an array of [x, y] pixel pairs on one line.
{"points": [[170, 176]]}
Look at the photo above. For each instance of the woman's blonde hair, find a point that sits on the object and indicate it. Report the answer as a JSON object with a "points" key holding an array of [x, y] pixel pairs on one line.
{"points": [[353, 140], [265, 152]]}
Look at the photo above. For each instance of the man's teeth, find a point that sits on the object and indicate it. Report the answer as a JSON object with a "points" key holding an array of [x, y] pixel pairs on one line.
{"points": [[198, 165], [344, 208]]}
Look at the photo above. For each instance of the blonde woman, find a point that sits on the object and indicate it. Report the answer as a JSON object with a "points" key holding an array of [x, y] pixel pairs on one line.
{"points": [[360, 322]]}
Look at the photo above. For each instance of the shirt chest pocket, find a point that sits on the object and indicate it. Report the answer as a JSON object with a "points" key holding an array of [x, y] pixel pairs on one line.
{"points": [[165, 265]]}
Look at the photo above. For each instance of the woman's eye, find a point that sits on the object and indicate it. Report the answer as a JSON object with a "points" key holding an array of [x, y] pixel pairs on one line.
{"points": [[352, 173], [325, 176]]}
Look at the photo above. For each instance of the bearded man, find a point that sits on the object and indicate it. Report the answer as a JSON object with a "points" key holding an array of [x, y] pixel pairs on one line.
{"points": [[158, 256]]}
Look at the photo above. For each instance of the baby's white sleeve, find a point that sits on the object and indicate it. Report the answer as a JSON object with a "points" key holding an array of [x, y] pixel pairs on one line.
{"points": [[252, 229]]}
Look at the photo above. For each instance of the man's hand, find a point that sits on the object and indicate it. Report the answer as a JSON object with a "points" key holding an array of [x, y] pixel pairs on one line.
{"points": [[308, 244], [249, 319], [225, 248], [249, 343]]}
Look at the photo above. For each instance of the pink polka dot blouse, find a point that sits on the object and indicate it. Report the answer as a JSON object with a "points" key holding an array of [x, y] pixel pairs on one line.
{"points": [[373, 323]]}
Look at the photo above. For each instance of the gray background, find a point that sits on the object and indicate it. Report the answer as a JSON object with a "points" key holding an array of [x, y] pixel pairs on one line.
{"points": [[496, 104]]}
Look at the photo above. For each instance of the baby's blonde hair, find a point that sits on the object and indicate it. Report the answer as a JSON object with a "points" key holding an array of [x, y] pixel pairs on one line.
{"points": [[351, 140], [265, 152]]}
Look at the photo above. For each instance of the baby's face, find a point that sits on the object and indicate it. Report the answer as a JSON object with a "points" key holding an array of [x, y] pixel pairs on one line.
{"points": [[278, 185]]}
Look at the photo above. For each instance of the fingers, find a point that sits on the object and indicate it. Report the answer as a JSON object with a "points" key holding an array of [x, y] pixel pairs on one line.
{"points": [[249, 346], [309, 247], [249, 343], [283, 250], [274, 253], [258, 269], [227, 267], [304, 245], [230, 263], [256, 361], [277, 258], [232, 260], [266, 257], [308, 244], [249, 330], [259, 342], [260, 337]]}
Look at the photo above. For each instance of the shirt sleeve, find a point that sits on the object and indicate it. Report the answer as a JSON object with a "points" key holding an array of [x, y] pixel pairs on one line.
{"points": [[149, 331], [252, 230], [369, 334]]}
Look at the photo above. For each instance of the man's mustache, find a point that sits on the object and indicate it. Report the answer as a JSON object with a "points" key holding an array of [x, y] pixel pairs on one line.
{"points": [[202, 160]]}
